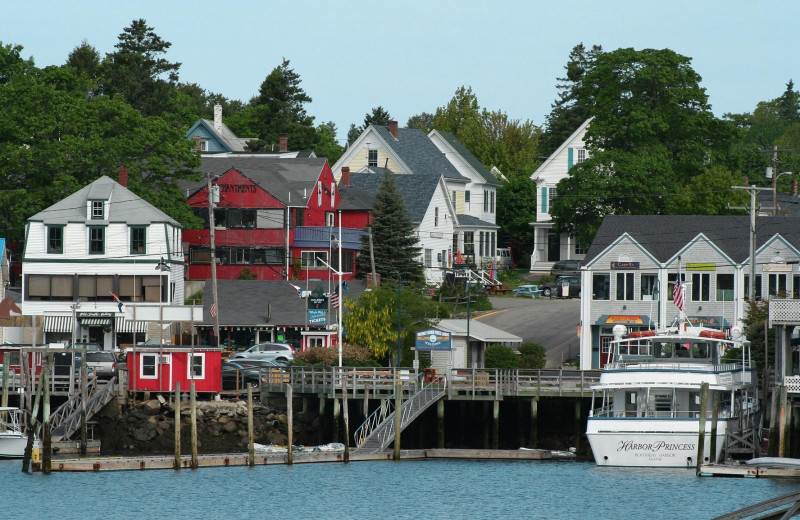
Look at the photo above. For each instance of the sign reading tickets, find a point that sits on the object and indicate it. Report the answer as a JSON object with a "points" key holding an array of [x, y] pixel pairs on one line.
{"points": [[433, 339], [317, 316]]}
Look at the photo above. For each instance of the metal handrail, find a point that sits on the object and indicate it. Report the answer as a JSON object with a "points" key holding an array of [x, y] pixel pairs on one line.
{"points": [[66, 419]]}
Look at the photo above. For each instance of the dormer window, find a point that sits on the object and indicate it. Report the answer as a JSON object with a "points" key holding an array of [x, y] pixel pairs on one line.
{"points": [[98, 210]]}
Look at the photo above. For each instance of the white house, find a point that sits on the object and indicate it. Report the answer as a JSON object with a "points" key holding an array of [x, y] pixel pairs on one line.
{"points": [[548, 246], [450, 196], [101, 241]]}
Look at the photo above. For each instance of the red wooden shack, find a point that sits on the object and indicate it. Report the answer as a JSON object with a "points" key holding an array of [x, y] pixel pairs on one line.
{"points": [[154, 369]]}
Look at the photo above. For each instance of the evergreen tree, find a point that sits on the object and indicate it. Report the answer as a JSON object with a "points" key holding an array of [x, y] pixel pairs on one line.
{"points": [[279, 109], [394, 242]]}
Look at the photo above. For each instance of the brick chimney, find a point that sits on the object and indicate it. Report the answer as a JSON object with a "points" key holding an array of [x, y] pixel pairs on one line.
{"points": [[197, 141], [345, 180], [283, 143], [794, 188], [218, 118], [123, 176], [393, 128]]}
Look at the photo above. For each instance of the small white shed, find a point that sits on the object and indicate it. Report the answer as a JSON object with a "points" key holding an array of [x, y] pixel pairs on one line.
{"points": [[481, 336]]}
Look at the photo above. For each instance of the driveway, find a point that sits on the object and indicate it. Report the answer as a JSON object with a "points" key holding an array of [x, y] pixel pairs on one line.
{"points": [[552, 323]]}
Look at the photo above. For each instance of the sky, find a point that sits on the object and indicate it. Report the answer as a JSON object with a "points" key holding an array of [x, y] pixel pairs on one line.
{"points": [[411, 56]]}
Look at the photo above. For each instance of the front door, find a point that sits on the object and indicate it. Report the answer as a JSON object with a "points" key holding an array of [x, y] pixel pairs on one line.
{"points": [[553, 247], [605, 349]]}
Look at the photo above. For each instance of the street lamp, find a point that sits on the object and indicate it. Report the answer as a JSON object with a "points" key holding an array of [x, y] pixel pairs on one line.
{"points": [[775, 188]]}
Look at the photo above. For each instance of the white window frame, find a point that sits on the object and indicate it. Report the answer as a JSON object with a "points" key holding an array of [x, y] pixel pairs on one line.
{"points": [[372, 158], [580, 155], [189, 360], [315, 341], [333, 194], [156, 365], [330, 219], [551, 196], [306, 255], [319, 194], [627, 277], [97, 209], [436, 217]]}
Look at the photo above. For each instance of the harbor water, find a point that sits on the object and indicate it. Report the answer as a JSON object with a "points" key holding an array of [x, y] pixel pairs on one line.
{"points": [[411, 489]]}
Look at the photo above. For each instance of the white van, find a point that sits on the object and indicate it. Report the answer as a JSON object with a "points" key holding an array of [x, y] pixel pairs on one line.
{"points": [[503, 259]]}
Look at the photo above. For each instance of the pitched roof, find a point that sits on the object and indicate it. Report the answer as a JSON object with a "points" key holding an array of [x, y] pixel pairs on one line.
{"points": [[419, 153], [563, 145], [353, 199], [469, 220], [125, 206], [664, 235], [247, 302], [469, 158], [288, 180], [225, 136], [416, 190]]}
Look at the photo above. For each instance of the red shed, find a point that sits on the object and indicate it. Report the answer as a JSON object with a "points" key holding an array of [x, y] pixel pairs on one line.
{"points": [[155, 369]]}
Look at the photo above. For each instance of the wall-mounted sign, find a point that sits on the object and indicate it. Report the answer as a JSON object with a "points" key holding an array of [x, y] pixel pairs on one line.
{"points": [[95, 315], [436, 234], [701, 267], [433, 339], [777, 268], [617, 318], [624, 265]]}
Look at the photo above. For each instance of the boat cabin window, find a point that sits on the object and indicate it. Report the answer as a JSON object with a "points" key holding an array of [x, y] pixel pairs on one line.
{"points": [[700, 351]]}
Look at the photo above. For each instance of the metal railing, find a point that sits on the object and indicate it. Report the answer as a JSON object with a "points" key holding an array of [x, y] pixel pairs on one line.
{"points": [[66, 420]]}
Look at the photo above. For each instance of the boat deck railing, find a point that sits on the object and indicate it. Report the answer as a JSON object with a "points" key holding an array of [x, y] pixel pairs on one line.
{"points": [[658, 364], [748, 407]]}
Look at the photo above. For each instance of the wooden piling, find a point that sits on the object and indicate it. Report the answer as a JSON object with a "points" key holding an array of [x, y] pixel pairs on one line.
{"points": [[495, 424], [774, 429], [84, 398], [440, 424], [398, 417], [578, 429], [34, 418], [321, 430], [251, 447], [337, 418], [783, 417], [47, 446], [534, 424], [6, 362], [346, 422], [177, 427], [289, 426], [701, 433], [193, 404], [714, 419], [485, 424]]}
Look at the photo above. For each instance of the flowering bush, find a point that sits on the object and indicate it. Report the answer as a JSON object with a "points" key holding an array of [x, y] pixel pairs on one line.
{"points": [[352, 355]]}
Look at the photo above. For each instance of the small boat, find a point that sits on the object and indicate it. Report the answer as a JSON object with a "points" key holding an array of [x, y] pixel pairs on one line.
{"points": [[12, 439], [785, 462], [646, 407]]}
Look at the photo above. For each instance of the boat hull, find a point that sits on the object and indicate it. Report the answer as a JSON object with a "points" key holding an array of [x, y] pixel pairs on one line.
{"points": [[12, 445], [650, 449]]}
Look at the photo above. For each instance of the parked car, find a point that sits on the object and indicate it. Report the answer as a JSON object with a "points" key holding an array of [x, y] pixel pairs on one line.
{"points": [[269, 351], [236, 375], [566, 268], [104, 364], [555, 288], [90, 347]]}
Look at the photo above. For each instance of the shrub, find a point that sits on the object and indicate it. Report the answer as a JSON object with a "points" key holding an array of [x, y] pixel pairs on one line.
{"points": [[533, 355], [500, 356], [352, 355]]}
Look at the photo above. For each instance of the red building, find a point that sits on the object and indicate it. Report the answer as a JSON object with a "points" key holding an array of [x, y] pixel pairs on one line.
{"points": [[153, 369], [274, 218]]}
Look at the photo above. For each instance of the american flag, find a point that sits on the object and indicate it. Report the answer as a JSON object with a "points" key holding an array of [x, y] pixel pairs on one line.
{"points": [[214, 310], [119, 302], [334, 300], [677, 294]]}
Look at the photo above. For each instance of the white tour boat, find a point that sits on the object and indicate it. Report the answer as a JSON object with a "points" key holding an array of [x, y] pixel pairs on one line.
{"points": [[12, 439], [650, 396]]}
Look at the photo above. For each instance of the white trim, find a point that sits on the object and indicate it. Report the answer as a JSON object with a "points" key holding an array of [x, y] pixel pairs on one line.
{"points": [[189, 374], [141, 374]]}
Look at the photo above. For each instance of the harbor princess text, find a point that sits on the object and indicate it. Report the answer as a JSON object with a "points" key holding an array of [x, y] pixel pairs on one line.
{"points": [[654, 447]]}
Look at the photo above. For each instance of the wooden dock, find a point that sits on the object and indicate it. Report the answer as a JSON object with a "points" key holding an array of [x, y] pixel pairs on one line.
{"points": [[748, 471], [266, 459]]}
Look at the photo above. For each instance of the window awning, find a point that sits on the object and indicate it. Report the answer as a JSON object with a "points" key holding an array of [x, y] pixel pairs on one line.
{"points": [[123, 325], [95, 322], [58, 323]]}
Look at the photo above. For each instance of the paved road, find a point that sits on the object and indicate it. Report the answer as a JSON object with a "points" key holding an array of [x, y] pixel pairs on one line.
{"points": [[553, 323]]}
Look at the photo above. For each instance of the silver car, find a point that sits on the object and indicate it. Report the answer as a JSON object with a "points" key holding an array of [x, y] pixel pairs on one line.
{"points": [[268, 351]]}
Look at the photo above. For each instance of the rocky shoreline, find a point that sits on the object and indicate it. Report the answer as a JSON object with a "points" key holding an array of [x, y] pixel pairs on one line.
{"points": [[148, 427]]}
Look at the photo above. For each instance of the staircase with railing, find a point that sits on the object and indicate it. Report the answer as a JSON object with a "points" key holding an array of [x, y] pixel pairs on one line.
{"points": [[66, 420], [377, 432]]}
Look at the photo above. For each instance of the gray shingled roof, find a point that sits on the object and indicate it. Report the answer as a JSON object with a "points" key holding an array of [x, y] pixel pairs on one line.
{"points": [[125, 206], [226, 136], [469, 158], [469, 220], [664, 235], [417, 190], [353, 199], [416, 149], [245, 303], [288, 180]]}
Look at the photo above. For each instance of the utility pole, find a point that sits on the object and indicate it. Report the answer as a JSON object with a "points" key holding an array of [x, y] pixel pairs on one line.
{"points": [[211, 225], [753, 208], [775, 175]]}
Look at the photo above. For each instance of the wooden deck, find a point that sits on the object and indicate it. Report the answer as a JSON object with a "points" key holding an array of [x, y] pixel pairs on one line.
{"points": [[462, 384]]}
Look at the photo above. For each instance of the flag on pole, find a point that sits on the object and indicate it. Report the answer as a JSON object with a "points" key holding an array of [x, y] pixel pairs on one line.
{"points": [[298, 289], [334, 300], [213, 310], [116, 299], [677, 294]]}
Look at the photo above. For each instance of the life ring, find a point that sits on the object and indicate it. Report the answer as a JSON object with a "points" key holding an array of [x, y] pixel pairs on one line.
{"points": [[714, 334], [642, 334]]}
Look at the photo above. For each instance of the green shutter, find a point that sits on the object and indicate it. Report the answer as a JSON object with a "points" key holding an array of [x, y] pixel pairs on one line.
{"points": [[544, 199], [569, 159]]}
